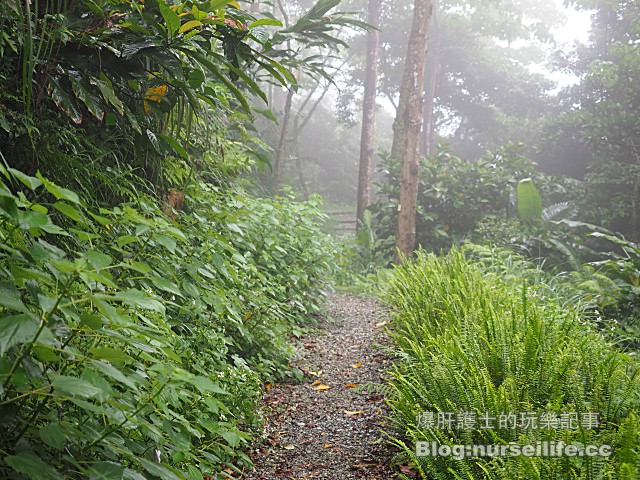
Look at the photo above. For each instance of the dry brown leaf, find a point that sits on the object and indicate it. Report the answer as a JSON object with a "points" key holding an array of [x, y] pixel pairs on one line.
{"points": [[267, 386], [351, 385], [327, 445], [408, 471], [351, 413], [316, 382], [315, 374], [321, 387], [357, 365]]}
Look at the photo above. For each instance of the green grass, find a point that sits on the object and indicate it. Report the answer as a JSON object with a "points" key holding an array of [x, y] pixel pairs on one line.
{"points": [[469, 340]]}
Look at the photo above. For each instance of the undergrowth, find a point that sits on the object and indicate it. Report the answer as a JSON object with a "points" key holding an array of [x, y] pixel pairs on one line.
{"points": [[135, 346]]}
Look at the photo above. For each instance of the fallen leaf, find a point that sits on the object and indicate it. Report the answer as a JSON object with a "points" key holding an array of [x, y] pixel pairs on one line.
{"points": [[357, 365], [351, 385], [408, 471], [267, 387], [351, 413], [327, 445], [381, 324], [316, 382], [289, 447], [315, 374], [321, 387]]}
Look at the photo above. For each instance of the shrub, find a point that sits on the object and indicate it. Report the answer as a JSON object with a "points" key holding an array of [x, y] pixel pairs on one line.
{"points": [[133, 346]]}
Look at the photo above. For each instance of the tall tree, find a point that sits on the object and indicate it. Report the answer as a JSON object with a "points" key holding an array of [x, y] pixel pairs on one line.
{"points": [[365, 169], [433, 70], [483, 87], [597, 133], [407, 126]]}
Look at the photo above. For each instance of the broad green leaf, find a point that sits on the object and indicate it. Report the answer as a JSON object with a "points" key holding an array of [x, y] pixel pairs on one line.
{"points": [[215, 71], [106, 471], [46, 354], [63, 101], [74, 386], [16, 330], [528, 201], [196, 78], [81, 88], [106, 89], [175, 145], [21, 274], [64, 266], [33, 220], [204, 384], [68, 211], [133, 475], [235, 228], [112, 372], [9, 207], [90, 320], [125, 240], [232, 438], [54, 229], [263, 22], [166, 285], [110, 354], [98, 260], [194, 473], [160, 471], [53, 435], [136, 298], [31, 182], [171, 18], [167, 242], [189, 25], [100, 382], [60, 193], [32, 466], [10, 298]]}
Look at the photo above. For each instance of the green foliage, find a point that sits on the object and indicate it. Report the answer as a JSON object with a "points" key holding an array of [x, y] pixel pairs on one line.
{"points": [[133, 346], [473, 340], [456, 194], [124, 86], [598, 140]]}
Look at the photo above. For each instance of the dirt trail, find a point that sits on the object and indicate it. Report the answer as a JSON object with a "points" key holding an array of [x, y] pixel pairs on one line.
{"points": [[315, 432]]}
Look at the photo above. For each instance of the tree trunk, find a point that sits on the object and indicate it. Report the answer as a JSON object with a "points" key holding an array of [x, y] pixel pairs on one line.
{"points": [[407, 128], [434, 64], [365, 168], [282, 143]]}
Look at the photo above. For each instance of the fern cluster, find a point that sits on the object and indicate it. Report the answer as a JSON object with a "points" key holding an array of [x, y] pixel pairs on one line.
{"points": [[472, 340]]}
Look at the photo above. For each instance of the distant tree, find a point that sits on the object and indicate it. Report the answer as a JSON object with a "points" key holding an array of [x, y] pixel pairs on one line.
{"points": [[600, 118], [365, 168]]}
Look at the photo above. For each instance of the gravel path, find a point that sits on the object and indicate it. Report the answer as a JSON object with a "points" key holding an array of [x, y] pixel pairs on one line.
{"points": [[328, 427]]}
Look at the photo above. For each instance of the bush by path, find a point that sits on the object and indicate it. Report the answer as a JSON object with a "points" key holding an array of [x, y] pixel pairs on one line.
{"points": [[133, 346]]}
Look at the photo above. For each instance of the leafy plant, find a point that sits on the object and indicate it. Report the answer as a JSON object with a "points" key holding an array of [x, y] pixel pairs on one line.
{"points": [[133, 346]]}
